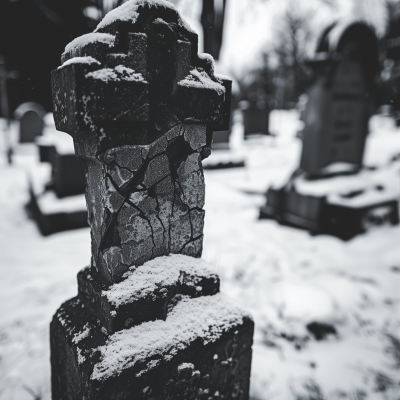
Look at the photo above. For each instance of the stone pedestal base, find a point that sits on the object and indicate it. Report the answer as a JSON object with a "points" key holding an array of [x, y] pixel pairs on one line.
{"points": [[199, 348], [319, 215]]}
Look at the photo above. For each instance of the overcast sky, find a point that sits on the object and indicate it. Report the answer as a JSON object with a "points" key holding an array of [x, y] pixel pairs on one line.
{"points": [[251, 25]]}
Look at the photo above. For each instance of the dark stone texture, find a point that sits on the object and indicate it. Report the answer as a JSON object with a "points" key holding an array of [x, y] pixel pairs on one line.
{"points": [[148, 322], [255, 118], [137, 309], [68, 175], [30, 116], [46, 152], [216, 370], [31, 125], [142, 133]]}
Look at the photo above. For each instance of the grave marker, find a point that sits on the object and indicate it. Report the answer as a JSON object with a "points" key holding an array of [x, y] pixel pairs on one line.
{"points": [[338, 109], [255, 118], [57, 184], [321, 196], [148, 321], [30, 116]]}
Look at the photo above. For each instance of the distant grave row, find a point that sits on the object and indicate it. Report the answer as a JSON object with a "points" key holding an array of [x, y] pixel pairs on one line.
{"points": [[57, 183]]}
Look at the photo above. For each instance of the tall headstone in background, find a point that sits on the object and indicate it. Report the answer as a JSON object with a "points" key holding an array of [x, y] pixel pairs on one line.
{"points": [[321, 196], [340, 98], [30, 116], [148, 321]]}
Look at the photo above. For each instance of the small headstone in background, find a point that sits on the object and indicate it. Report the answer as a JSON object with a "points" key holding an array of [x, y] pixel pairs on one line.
{"points": [[68, 173], [57, 183], [255, 117], [30, 116], [45, 142], [225, 155], [149, 321]]}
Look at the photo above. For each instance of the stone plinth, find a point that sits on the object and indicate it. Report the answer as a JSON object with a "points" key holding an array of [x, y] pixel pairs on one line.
{"points": [[143, 338]]}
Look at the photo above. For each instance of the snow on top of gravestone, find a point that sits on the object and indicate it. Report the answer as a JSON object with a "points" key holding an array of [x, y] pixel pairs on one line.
{"points": [[221, 76], [80, 60], [144, 280], [90, 38], [154, 275], [209, 58], [205, 317], [119, 73], [193, 266], [129, 11], [201, 80]]}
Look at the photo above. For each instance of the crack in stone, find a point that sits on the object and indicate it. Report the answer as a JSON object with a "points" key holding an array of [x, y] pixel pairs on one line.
{"points": [[163, 185]]}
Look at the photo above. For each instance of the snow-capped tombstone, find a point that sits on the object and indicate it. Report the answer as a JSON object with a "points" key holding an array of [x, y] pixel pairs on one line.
{"points": [[340, 97], [30, 116], [149, 321]]}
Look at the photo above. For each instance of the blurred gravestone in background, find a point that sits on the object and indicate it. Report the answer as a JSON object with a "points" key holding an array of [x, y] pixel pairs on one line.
{"points": [[68, 172], [223, 156], [340, 99], [255, 117], [30, 116], [327, 194], [57, 183], [148, 322]]}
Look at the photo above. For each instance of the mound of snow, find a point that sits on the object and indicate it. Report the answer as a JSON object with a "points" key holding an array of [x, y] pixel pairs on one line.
{"points": [[129, 11], [297, 304], [90, 38]]}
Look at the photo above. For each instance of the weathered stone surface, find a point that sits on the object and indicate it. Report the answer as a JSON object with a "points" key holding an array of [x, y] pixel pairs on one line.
{"points": [[147, 292], [179, 358], [149, 322], [141, 107]]}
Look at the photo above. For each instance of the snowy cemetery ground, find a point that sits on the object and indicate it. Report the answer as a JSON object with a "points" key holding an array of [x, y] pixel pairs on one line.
{"points": [[287, 278]]}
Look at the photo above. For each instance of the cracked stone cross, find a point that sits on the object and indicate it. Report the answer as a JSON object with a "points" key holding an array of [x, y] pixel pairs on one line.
{"points": [[149, 321]]}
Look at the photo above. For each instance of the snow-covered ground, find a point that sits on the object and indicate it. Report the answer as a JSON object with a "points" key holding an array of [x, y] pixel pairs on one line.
{"points": [[286, 277]]}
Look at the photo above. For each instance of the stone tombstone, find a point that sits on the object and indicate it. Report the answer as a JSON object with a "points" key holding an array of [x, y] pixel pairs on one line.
{"points": [[255, 117], [30, 116], [340, 97], [149, 321], [68, 175]]}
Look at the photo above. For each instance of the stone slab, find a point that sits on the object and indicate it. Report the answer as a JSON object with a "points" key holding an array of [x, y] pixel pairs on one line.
{"points": [[146, 292]]}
